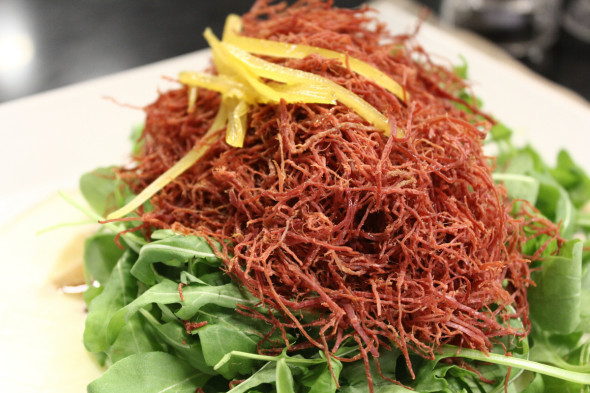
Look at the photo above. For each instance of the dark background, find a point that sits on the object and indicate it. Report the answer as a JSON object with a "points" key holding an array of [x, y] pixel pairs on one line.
{"points": [[76, 40]]}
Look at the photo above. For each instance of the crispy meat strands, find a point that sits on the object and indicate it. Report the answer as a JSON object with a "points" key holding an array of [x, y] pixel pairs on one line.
{"points": [[385, 238]]}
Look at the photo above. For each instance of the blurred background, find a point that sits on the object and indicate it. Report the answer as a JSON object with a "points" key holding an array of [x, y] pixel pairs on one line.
{"points": [[49, 44]]}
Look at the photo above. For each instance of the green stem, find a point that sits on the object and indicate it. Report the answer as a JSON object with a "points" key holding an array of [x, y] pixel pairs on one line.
{"points": [[556, 372], [64, 225], [132, 239], [265, 358]]}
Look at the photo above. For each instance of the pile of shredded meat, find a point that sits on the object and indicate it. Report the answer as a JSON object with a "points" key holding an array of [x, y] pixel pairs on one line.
{"points": [[342, 232]]}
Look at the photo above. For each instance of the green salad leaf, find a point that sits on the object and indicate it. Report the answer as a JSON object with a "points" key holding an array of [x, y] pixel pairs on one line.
{"points": [[118, 291], [172, 251], [556, 300], [152, 372]]}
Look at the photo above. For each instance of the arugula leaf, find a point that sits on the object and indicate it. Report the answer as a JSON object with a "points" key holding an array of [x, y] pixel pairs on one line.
{"points": [[179, 342], [265, 375], [555, 300], [319, 378], [500, 133], [195, 297], [535, 386], [519, 186], [461, 70], [228, 331], [98, 188], [227, 296], [356, 378], [573, 178], [284, 377], [153, 372], [556, 205], [136, 138], [135, 337], [100, 255], [172, 251], [556, 385], [119, 290], [584, 325], [552, 198]]}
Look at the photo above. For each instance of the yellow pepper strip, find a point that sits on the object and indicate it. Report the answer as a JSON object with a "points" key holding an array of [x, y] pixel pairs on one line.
{"points": [[192, 99], [267, 93], [223, 84], [232, 27], [297, 93], [177, 169], [297, 51], [236, 123], [275, 72]]}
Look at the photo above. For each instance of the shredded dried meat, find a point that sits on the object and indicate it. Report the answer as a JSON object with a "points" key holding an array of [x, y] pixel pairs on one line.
{"points": [[400, 240]]}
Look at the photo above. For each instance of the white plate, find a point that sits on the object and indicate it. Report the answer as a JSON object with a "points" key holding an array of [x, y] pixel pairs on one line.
{"points": [[50, 139]]}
